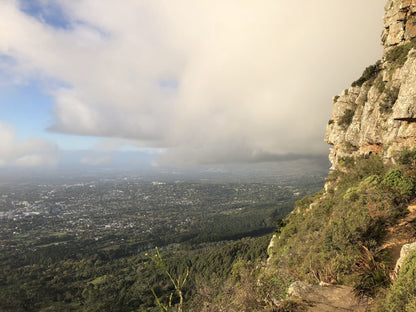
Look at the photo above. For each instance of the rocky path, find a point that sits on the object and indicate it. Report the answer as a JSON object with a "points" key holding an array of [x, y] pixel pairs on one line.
{"points": [[329, 298], [401, 233], [332, 298]]}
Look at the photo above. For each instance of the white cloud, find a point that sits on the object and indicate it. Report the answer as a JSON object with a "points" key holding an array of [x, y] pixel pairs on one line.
{"points": [[31, 153], [217, 80]]}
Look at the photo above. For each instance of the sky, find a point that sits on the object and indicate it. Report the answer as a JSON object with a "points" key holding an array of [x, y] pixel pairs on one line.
{"points": [[176, 82]]}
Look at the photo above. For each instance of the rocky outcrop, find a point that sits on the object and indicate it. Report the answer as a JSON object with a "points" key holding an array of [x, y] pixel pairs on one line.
{"points": [[377, 114], [404, 252], [399, 22], [270, 248]]}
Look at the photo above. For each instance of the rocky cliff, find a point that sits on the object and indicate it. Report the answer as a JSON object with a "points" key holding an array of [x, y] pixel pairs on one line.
{"points": [[351, 232], [377, 114]]}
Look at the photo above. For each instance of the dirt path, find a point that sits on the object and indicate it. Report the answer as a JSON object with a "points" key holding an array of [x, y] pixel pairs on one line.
{"points": [[333, 298], [402, 233], [329, 298]]}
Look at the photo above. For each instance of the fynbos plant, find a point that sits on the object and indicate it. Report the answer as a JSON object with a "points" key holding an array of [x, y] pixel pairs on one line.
{"points": [[177, 282]]}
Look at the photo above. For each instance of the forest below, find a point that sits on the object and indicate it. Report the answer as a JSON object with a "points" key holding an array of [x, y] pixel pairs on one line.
{"points": [[89, 247]]}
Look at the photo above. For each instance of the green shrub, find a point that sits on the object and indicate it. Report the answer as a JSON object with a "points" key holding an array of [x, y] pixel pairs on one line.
{"points": [[330, 122], [349, 146], [351, 194], [403, 185], [323, 243], [365, 167], [346, 119], [408, 157], [347, 162], [398, 55], [402, 295], [390, 97], [372, 274], [380, 84], [369, 74], [336, 98], [371, 180]]}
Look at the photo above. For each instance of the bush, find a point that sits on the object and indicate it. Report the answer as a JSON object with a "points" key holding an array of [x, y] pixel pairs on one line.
{"points": [[402, 295], [347, 162], [351, 194], [380, 84], [372, 274], [398, 182], [322, 241], [391, 95], [346, 119], [408, 157], [398, 55], [369, 74]]}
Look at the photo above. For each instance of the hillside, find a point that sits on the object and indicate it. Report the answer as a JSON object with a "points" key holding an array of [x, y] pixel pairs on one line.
{"points": [[352, 231], [349, 247]]}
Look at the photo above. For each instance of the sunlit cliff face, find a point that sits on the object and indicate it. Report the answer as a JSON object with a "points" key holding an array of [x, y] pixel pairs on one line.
{"points": [[377, 114]]}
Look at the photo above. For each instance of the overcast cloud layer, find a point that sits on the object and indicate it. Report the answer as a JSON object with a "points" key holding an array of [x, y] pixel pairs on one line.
{"points": [[211, 81]]}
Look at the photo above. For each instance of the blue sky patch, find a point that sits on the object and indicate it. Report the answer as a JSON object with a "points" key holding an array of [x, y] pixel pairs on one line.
{"points": [[47, 12], [26, 107]]}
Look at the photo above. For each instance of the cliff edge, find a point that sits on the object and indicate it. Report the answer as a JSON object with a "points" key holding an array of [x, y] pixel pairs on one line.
{"points": [[377, 114], [352, 231]]}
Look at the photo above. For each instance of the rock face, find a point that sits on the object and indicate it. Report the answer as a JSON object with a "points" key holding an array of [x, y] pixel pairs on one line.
{"points": [[404, 252], [377, 114], [399, 22]]}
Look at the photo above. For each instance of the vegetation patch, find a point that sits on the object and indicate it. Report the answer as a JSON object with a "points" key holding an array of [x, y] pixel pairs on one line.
{"points": [[340, 231], [399, 183], [346, 119], [346, 161], [373, 274], [390, 97], [369, 74], [402, 295], [398, 55], [408, 157], [380, 84]]}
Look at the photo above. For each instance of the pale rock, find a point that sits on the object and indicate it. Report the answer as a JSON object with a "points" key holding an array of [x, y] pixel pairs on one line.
{"points": [[298, 289], [377, 128], [399, 22], [404, 252], [405, 106]]}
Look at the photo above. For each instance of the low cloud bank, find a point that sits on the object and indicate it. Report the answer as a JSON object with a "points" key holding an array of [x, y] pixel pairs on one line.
{"points": [[35, 152], [209, 81]]}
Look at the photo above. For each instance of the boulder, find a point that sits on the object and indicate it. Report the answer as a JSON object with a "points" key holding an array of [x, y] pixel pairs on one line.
{"points": [[404, 252]]}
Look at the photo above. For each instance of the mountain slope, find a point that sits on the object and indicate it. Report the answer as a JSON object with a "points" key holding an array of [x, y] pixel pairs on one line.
{"points": [[350, 232]]}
